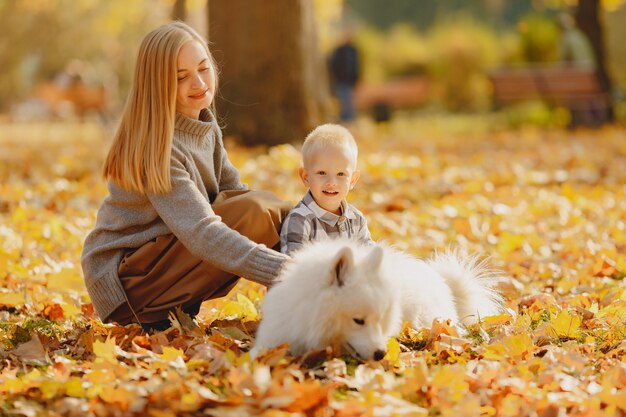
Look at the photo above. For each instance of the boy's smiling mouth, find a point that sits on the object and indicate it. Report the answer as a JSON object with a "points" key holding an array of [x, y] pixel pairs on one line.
{"points": [[332, 193]]}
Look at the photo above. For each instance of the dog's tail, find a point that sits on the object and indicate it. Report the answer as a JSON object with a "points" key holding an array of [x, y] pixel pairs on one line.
{"points": [[472, 284]]}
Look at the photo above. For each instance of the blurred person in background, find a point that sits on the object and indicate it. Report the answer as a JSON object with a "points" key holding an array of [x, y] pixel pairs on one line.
{"points": [[574, 47], [575, 51], [344, 74]]}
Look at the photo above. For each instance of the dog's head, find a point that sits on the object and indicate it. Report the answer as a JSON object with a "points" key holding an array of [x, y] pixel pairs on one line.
{"points": [[362, 305]]}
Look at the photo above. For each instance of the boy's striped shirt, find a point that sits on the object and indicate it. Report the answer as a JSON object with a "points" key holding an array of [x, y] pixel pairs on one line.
{"points": [[307, 221]]}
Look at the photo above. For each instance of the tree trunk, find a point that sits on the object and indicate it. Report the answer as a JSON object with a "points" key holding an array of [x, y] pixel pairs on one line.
{"points": [[179, 11], [589, 21], [273, 86]]}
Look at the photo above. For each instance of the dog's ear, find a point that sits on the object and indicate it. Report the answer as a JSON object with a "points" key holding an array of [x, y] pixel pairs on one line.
{"points": [[342, 263], [374, 260]]}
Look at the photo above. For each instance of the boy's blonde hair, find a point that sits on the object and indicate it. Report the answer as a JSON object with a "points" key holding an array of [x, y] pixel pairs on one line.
{"points": [[328, 136], [139, 157]]}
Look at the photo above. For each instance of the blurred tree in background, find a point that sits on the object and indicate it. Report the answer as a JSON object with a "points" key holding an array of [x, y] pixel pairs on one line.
{"points": [[589, 20], [271, 63], [273, 84], [179, 11], [454, 43], [615, 35]]}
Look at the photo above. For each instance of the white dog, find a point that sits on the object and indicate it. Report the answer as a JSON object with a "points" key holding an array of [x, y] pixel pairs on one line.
{"points": [[338, 292]]}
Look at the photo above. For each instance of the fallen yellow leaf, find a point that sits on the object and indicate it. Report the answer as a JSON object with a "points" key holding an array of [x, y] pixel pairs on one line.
{"points": [[566, 325], [11, 299], [171, 354], [106, 350], [393, 351]]}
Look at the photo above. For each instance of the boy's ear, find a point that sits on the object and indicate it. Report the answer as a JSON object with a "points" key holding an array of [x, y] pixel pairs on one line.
{"points": [[304, 176], [355, 177]]}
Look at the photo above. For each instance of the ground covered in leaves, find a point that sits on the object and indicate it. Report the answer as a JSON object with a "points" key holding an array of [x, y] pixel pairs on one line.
{"points": [[548, 207]]}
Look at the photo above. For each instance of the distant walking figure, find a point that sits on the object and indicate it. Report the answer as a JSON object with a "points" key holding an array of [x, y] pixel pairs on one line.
{"points": [[344, 71], [574, 47]]}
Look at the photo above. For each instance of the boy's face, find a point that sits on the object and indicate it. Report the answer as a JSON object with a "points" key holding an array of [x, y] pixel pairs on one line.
{"points": [[330, 174]]}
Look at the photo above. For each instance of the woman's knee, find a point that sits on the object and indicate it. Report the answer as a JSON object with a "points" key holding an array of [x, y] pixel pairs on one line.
{"points": [[262, 219], [255, 202], [258, 212], [255, 214]]}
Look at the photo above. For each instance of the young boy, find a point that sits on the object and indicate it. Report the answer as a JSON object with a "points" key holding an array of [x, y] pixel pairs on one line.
{"points": [[329, 157]]}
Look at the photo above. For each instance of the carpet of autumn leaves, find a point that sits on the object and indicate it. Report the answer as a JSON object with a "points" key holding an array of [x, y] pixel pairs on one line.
{"points": [[547, 206]]}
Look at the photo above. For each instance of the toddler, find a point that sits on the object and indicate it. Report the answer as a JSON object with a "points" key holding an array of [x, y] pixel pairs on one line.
{"points": [[329, 159]]}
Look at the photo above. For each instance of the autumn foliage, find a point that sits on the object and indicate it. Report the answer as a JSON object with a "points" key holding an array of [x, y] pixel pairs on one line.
{"points": [[548, 207]]}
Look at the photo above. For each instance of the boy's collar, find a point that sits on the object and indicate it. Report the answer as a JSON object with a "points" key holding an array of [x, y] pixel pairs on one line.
{"points": [[326, 216]]}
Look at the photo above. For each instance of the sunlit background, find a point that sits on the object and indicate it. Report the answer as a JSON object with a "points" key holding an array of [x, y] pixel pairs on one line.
{"points": [[474, 133], [439, 54]]}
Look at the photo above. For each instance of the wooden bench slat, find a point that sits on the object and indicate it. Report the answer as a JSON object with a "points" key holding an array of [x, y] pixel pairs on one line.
{"points": [[577, 89], [400, 92], [557, 85]]}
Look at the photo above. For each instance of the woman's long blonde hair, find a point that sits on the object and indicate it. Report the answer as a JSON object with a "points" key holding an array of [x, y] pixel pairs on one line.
{"points": [[139, 157]]}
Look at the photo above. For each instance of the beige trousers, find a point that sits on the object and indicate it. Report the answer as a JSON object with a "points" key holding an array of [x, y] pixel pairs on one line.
{"points": [[162, 274]]}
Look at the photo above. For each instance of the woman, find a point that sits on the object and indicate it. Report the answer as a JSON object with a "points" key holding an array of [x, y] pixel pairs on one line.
{"points": [[178, 226]]}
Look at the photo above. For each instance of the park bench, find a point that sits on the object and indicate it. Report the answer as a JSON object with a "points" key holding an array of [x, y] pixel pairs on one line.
{"points": [[380, 99], [576, 89]]}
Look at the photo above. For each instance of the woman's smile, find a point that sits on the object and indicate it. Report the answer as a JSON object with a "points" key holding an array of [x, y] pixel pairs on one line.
{"points": [[200, 95]]}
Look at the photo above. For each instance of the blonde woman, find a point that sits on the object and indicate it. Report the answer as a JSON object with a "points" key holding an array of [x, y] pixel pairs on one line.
{"points": [[178, 226]]}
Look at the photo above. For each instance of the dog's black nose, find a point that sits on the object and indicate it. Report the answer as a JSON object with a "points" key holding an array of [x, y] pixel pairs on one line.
{"points": [[379, 354]]}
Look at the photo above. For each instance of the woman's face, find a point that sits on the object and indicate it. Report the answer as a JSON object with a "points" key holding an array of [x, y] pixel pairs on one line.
{"points": [[196, 80]]}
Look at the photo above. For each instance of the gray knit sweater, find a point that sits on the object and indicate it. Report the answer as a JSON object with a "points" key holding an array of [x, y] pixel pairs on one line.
{"points": [[200, 169]]}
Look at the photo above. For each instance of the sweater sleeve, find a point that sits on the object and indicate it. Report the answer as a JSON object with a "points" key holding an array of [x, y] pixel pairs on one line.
{"points": [[229, 175], [189, 216]]}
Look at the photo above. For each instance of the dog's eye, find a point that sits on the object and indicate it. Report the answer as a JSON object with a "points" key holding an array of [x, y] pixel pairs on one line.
{"points": [[360, 322]]}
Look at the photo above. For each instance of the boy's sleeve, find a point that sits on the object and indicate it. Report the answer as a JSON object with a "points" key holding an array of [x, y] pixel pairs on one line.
{"points": [[295, 232], [363, 234]]}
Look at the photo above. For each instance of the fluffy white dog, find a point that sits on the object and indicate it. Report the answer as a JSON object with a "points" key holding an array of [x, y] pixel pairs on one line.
{"points": [[339, 292]]}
